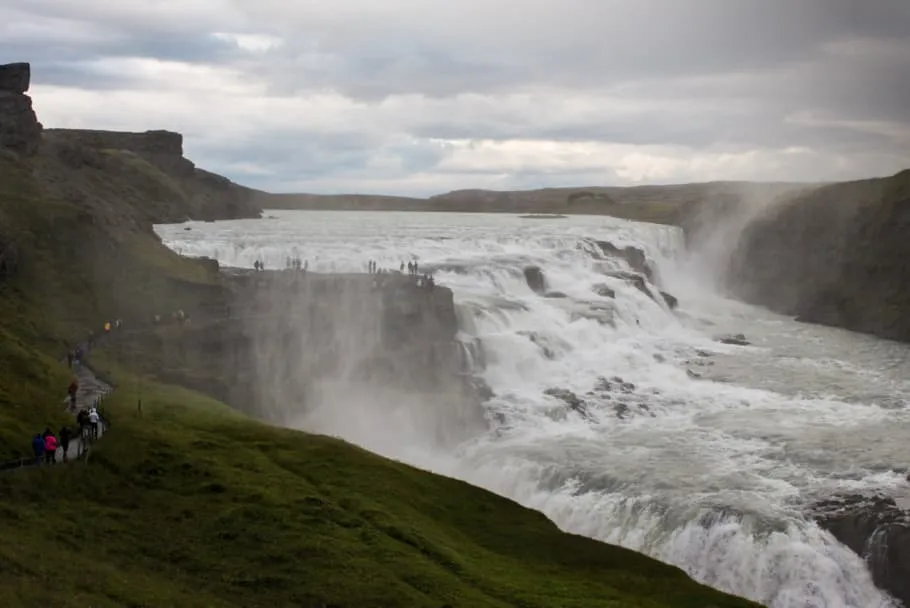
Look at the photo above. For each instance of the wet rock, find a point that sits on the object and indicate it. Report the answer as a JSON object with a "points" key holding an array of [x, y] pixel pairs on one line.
{"points": [[704, 353], [614, 384], [660, 358], [734, 339], [635, 280], [541, 342], [572, 400], [478, 389], [671, 300], [555, 294], [622, 410], [693, 375], [535, 279], [604, 290], [602, 312], [633, 256], [876, 529]]}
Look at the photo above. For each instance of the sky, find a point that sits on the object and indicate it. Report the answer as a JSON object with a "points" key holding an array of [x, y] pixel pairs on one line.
{"points": [[418, 97]]}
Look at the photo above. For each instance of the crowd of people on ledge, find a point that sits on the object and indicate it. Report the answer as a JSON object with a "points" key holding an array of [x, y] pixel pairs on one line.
{"points": [[413, 269], [425, 281]]}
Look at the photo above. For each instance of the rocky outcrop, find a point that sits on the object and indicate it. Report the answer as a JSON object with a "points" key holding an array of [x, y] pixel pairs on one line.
{"points": [[20, 131], [876, 529], [282, 342], [535, 279], [671, 300], [164, 149], [633, 256], [836, 255]]}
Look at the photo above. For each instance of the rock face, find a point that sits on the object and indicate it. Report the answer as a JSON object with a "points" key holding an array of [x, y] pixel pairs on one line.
{"points": [[20, 131], [286, 343], [634, 257], [877, 530], [146, 171], [836, 255]]}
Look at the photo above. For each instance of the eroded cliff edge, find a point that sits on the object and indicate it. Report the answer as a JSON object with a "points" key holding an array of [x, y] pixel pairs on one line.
{"points": [[284, 345], [101, 169], [837, 255]]}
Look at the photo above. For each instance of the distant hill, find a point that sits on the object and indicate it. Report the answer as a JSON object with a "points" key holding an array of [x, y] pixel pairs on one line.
{"points": [[659, 204]]}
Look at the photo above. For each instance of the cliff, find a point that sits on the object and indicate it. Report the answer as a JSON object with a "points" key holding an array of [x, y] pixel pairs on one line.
{"points": [[836, 255], [277, 345], [146, 173], [20, 131]]}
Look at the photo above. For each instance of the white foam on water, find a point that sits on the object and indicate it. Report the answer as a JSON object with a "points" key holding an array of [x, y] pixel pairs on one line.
{"points": [[713, 476]]}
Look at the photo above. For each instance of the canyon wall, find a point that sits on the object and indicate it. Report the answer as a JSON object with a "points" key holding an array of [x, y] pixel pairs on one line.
{"points": [[836, 255]]}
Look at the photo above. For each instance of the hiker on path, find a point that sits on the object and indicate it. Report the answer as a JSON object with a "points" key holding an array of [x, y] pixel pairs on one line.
{"points": [[50, 447], [38, 448], [72, 390], [66, 434], [94, 419], [82, 420]]}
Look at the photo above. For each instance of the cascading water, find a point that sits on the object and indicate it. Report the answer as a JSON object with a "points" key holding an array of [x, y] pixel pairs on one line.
{"points": [[617, 417]]}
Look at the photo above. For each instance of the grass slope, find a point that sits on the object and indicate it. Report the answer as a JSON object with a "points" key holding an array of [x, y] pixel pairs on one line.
{"points": [[194, 505], [191, 504]]}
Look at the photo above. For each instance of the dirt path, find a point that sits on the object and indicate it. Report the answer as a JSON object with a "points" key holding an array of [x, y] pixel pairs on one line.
{"points": [[90, 393]]}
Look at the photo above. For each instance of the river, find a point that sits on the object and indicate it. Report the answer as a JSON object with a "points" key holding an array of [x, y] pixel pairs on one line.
{"points": [[705, 455]]}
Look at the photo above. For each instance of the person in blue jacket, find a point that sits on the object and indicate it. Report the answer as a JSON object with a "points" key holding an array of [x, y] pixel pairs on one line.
{"points": [[38, 448]]}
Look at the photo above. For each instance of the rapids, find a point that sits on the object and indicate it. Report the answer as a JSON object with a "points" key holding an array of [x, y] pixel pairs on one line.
{"points": [[705, 455]]}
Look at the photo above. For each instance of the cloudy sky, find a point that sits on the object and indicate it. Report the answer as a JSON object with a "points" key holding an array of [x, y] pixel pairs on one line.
{"points": [[423, 96]]}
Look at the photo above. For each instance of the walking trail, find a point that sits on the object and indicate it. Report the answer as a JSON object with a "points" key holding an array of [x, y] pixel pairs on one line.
{"points": [[91, 391]]}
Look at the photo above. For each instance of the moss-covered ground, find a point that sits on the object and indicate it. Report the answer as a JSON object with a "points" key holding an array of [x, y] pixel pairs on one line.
{"points": [[191, 504]]}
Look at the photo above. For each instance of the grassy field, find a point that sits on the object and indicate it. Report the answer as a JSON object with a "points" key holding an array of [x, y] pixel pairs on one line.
{"points": [[192, 504]]}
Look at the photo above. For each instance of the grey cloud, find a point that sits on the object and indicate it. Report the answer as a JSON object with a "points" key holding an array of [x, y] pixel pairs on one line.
{"points": [[727, 74]]}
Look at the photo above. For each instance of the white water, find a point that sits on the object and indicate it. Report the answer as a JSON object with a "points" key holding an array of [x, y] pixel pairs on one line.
{"points": [[712, 474]]}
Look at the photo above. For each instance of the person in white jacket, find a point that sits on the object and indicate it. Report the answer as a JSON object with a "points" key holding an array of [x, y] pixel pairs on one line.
{"points": [[94, 419]]}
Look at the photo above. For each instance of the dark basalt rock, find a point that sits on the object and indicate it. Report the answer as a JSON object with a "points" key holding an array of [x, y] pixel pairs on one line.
{"points": [[604, 290], [572, 400], [20, 131], [535, 278], [876, 529], [735, 340], [15, 77], [633, 256], [671, 300]]}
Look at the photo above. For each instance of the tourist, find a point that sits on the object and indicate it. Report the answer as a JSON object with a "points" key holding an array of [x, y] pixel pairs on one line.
{"points": [[50, 447], [83, 422], [66, 434], [94, 419], [401, 268], [72, 390], [38, 448]]}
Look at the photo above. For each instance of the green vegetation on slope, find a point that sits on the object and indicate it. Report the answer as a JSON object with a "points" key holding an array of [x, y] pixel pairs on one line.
{"points": [[192, 504]]}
